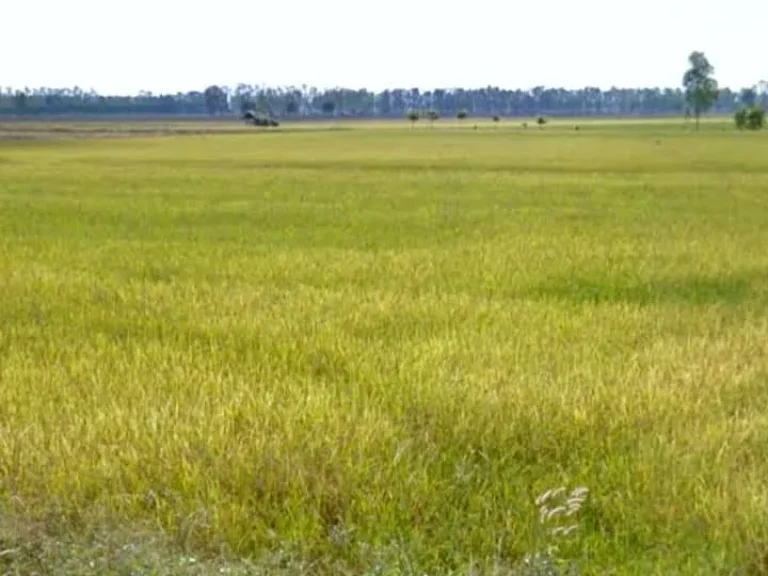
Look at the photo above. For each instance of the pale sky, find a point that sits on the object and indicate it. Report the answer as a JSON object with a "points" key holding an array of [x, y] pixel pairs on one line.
{"points": [[175, 45]]}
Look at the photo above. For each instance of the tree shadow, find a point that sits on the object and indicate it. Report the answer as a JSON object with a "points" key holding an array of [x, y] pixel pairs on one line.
{"points": [[691, 289]]}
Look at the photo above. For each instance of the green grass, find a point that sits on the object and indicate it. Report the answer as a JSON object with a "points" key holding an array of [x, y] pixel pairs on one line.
{"points": [[373, 349]]}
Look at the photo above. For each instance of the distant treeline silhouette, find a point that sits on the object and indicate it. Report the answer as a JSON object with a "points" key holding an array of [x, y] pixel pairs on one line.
{"points": [[308, 102]]}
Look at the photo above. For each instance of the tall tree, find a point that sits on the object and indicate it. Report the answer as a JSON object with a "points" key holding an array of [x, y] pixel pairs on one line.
{"points": [[292, 107], [413, 116], [215, 100], [20, 100], [701, 89], [328, 107], [762, 91], [748, 96]]}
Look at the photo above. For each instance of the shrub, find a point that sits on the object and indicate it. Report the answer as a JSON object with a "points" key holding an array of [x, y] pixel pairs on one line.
{"points": [[259, 119], [740, 118], [750, 118]]}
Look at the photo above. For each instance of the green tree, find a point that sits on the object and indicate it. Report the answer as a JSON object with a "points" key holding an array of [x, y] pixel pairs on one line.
{"points": [[748, 96], [262, 103], [215, 100], [762, 89], [245, 104], [462, 115], [432, 115], [20, 100], [740, 118], [750, 118], [328, 107], [701, 89], [413, 116]]}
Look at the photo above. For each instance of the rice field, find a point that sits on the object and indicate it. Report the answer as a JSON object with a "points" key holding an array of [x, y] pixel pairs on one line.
{"points": [[370, 350]]}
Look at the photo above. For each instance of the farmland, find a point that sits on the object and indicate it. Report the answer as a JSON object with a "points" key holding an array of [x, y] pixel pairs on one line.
{"points": [[367, 349]]}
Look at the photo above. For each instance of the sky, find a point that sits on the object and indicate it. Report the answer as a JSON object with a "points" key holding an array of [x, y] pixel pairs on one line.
{"points": [[175, 45]]}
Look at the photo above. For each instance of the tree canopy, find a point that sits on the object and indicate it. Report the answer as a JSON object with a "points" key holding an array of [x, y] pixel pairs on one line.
{"points": [[305, 101], [701, 89]]}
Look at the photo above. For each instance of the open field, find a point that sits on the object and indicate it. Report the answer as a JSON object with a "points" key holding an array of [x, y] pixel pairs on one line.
{"points": [[26, 129], [368, 351]]}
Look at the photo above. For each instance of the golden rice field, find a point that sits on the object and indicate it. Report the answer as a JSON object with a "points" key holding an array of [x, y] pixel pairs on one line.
{"points": [[369, 349]]}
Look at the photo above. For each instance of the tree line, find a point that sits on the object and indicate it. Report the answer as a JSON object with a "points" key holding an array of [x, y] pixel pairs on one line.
{"points": [[308, 102]]}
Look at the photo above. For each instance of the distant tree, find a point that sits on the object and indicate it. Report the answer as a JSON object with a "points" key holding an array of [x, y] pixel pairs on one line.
{"points": [[496, 119], [762, 91], [756, 118], [292, 107], [215, 100], [413, 116], [750, 118], [328, 107], [701, 89], [740, 118], [246, 104], [748, 97], [462, 115], [432, 116], [20, 100], [541, 121], [262, 103]]}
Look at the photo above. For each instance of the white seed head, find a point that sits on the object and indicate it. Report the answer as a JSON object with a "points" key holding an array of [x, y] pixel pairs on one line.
{"points": [[549, 495], [580, 491], [564, 530], [558, 492], [543, 498], [556, 512], [570, 530]]}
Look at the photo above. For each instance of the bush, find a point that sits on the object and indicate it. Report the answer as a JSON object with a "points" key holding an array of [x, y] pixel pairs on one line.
{"points": [[755, 118], [740, 118], [750, 118], [259, 119]]}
